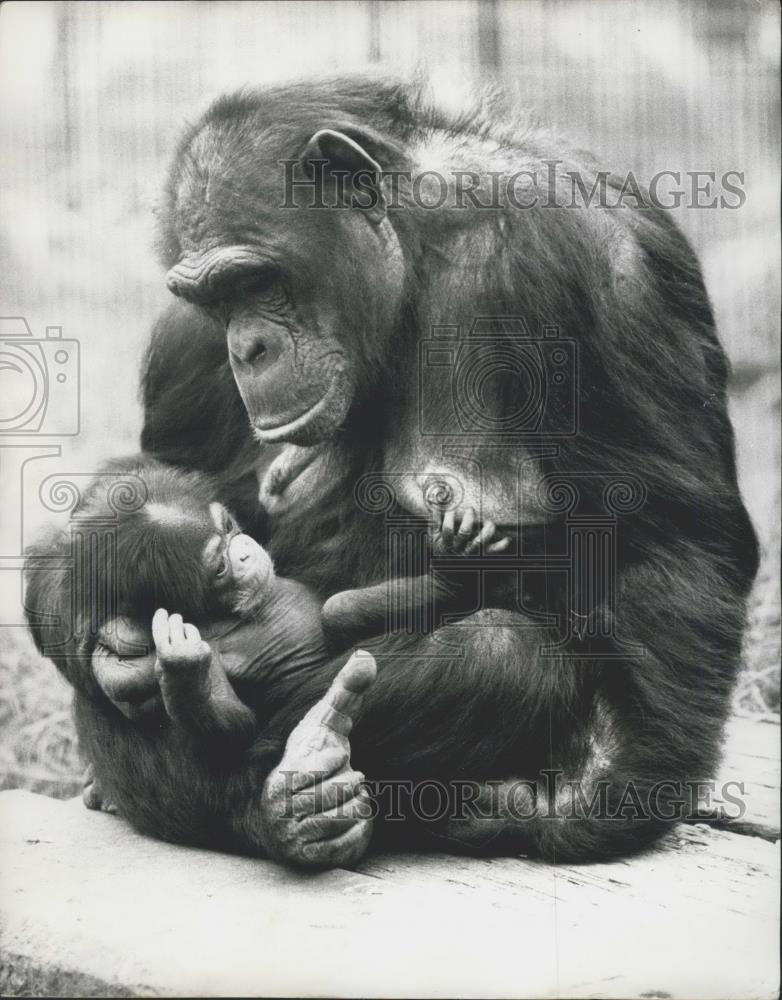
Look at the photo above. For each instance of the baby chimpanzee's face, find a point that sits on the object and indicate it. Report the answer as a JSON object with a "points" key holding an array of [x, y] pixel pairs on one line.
{"points": [[242, 569]]}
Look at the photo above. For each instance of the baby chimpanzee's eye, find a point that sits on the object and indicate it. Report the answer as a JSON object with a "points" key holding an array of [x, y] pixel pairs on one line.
{"points": [[230, 524], [222, 567]]}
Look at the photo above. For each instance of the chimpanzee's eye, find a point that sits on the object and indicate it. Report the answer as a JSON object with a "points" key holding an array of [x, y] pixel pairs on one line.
{"points": [[266, 284], [230, 524], [218, 310], [222, 567]]}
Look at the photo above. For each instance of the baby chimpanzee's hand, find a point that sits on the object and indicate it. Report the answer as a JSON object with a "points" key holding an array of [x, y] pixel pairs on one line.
{"points": [[196, 691], [455, 534], [183, 662], [178, 644]]}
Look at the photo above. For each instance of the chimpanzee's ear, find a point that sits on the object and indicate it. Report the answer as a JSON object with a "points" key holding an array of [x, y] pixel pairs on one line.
{"points": [[363, 174]]}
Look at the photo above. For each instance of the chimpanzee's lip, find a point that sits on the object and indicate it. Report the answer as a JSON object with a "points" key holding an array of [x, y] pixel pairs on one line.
{"points": [[277, 433], [312, 424]]}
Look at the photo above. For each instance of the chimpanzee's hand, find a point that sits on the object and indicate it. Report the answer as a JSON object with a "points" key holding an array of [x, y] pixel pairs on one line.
{"points": [[182, 665], [123, 665], [314, 812], [462, 535], [179, 645]]}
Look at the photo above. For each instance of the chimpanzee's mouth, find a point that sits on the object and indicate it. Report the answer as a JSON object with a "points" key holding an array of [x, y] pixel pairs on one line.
{"points": [[313, 424], [271, 432]]}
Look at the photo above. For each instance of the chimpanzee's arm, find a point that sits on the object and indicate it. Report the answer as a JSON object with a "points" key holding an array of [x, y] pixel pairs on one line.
{"points": [[354, 615], [195, 687]]}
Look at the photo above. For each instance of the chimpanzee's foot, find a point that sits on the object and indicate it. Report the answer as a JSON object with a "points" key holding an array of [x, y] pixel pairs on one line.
{"points": [[92, 794], [314, 811]]}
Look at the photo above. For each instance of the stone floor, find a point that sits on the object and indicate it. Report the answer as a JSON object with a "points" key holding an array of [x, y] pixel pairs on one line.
{"points": [[88, 907]]}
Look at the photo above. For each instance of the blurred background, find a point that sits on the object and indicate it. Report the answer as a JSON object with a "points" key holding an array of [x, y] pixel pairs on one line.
{"points": [[93, 96]]}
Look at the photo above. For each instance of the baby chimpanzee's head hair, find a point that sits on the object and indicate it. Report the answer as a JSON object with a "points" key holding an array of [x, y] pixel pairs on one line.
{"points": [[143, 536], [159, 542], [175, 546]]}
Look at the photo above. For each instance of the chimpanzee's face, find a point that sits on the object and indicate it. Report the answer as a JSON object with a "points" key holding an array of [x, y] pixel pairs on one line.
{"points": [[305, 295], [242, 569]]}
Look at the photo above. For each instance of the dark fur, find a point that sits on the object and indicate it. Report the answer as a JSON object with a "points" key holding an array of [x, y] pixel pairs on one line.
{"points": [[653, 404]]}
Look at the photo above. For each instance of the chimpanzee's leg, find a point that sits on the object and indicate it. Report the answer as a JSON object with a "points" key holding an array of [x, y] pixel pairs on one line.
{"points": [[627, 743]]}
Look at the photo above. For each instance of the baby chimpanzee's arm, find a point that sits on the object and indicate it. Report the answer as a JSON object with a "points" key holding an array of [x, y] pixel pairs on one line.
{"points": [[196, 691], [354, 615]]}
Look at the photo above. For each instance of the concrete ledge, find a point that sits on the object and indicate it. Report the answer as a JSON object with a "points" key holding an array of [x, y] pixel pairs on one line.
{"points": [[88, 907]]}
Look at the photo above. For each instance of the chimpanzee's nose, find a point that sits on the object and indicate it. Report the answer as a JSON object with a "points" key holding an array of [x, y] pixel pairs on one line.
{"points": [[256, 353], [253, 347]]}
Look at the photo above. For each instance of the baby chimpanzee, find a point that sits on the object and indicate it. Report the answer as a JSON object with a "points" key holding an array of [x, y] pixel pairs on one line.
{"points": [[236, 686], [182, 550]]}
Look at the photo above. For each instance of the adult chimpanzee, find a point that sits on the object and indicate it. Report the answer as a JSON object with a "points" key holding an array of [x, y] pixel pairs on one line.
{"points": [[347, 242]]}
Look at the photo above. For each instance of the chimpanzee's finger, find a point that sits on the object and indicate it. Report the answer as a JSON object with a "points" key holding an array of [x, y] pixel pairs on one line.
{"points": [[465, 531], [195, 646], [484, 535], [447, 529], [499, 546], [344, 851], [160, 628], [328, 794], [176, 629], [468, 522], [326, 825], [335, 712], [436, 531], [288, 778], [192, 634]]}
